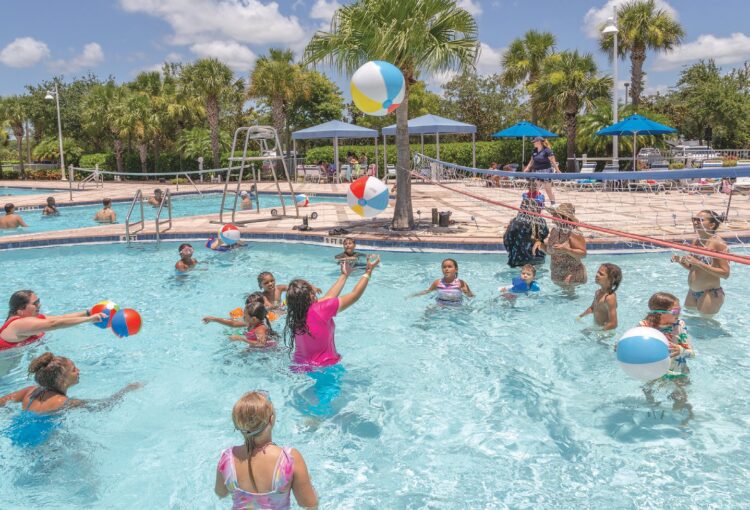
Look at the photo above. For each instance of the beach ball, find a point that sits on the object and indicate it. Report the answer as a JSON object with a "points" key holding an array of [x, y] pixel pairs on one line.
{"points": [[643, 353], [301, 200], [229, 234], [107, 307], [378, 88], [367, 196], [126, 322]]}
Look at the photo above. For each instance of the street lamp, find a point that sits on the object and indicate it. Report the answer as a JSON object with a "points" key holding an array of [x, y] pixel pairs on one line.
{"points": [[56, 96], [611, 28]]}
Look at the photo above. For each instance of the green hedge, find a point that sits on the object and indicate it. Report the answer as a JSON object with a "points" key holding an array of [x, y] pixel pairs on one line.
{"points": [[500, 151], [91, 160]]}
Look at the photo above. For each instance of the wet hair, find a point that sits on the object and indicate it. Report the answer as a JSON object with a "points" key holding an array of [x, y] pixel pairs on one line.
{"points": [[614, 275], [251, 415], [255, 297], [9, 208], [716, 218], [529, 267], [262, 276], [300, 295], [184, 245], [659, 301], [450, 260], [19, 300], [49, 371], [260, 312], [157, 191], [51, 201], [107, 202]]}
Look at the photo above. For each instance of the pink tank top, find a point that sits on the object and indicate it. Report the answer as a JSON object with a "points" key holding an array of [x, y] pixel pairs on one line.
{"points": [[318, 349]]}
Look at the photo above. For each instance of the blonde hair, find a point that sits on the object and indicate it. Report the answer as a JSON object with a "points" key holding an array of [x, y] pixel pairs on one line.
{"points": [[252, 415], [546, 144]]}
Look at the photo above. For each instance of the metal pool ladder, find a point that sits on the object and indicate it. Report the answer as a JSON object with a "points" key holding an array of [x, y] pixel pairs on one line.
{"points": [[166, 198], [137, 199]]}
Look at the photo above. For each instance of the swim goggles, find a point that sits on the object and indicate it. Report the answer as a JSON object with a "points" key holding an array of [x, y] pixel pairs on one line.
{"points": [[674, 311], [262, 426], [187, 250]]}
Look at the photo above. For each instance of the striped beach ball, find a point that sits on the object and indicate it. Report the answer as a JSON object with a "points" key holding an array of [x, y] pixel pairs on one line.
{"points": [[229, 234], [643, 353], [301, 200], [367, 196], [378, 88], [107, 307]]}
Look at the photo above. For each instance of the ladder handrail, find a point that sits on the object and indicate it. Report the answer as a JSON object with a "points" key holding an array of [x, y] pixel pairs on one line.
{"points": [[137, 198], [166, 198]]}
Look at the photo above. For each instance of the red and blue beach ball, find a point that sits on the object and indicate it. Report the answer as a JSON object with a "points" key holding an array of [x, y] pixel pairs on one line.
{"points": [[301, 200], [107, 307], [367, 196], [126, 322], [229, 234]]}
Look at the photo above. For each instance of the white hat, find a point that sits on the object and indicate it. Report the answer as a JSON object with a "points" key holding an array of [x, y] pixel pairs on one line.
{"points": [[243, 193]]}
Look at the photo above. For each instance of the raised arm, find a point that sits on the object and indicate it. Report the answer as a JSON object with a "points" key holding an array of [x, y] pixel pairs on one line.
{"points": [[576, 246], [335, 290], [29, 326], [349, 299], [302, 486], [104, 403], [232, 323]]}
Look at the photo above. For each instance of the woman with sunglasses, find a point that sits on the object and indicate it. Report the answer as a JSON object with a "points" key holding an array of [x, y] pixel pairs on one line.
{"points": [[705, 272], [25, 324]]}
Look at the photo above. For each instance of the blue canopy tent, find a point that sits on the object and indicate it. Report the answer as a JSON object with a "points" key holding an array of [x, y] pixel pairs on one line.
{"points": [[522, 130], [334, 129], [636, 125], [434, 125]]}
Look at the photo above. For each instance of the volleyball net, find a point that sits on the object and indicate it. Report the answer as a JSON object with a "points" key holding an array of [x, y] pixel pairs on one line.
{"points": [[644, 210]]}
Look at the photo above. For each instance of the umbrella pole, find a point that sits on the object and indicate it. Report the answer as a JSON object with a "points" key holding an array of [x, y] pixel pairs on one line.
{"points": [[473, 150], [376, 155], [523, 152], [635, 143], [336, 157], [385, 155], [437, 135], [421, 138]]}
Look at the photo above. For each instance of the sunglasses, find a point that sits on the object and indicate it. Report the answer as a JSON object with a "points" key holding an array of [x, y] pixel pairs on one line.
{"points": [[37, 303], [673, 311]]}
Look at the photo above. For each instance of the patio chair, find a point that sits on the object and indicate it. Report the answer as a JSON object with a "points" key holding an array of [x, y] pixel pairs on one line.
{"points": [[390, 173], [742, 183], [312, 174]]}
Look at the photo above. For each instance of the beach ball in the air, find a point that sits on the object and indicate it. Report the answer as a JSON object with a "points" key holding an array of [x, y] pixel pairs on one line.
{"points": [[367, 196], [126, 322], [643, 353], [378, 88], [301, 200], [107, 307], [229, 234]]}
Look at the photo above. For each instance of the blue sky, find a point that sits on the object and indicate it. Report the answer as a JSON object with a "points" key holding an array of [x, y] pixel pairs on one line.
{"points": [[42, 38]]}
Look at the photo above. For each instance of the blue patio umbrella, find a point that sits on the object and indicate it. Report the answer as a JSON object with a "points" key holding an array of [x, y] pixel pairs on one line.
{"points": [[636, 125], [522, 130]]}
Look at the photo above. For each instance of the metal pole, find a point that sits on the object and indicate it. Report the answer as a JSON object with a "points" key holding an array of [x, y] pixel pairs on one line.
{"points": [[376, 156], [523, 153], [615, 140], [421, 138], [437, 137], [336, 157], [294, 156], [59, 134], [473, 150], [385, 155]]}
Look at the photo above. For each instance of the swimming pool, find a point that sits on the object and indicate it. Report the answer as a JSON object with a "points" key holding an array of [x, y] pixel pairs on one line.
{"points": [[9, 191], [487, 406], [182, 205]]}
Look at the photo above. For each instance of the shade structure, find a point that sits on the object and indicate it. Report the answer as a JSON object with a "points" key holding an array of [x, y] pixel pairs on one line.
{"points": [[435, 125], [522, 130], [636, 125], [334, 129]]}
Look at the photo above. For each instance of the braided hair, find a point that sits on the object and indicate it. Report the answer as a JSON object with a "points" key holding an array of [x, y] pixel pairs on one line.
{"points": [[300, 296]]}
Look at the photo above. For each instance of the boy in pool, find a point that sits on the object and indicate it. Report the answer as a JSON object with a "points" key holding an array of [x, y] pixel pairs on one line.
{"points": [[51, 208], [106, 214], [11, 219], [186, 258], [155, 200], [524, 283], [349, 255], [247, 201]]}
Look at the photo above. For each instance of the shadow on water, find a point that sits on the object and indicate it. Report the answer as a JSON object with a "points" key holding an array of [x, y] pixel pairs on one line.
{"points": [[704, 328], [634, 420]]}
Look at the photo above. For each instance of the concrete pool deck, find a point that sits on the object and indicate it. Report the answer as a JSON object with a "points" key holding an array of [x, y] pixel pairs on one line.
{"points": [[665, 215]]}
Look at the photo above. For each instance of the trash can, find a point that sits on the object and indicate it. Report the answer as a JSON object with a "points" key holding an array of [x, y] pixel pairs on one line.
{"points": [[445, 218]]}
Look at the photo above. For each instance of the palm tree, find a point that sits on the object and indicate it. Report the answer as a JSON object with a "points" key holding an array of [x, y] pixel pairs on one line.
{"points": [[570, 83], [210, 80], [642, 27], [134, 123], [15, 114], [523, 62], [414, 35], [278, 80]]}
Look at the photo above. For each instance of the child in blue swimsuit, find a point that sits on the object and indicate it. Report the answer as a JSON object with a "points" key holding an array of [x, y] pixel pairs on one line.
{"points": [[523, 284]]}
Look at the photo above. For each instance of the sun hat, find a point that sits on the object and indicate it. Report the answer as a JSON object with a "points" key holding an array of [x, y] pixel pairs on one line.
{"points": [[243, 193], [565, 211]]}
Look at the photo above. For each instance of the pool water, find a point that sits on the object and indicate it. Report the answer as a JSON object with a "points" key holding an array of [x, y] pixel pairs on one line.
{"points": [[8, 191], [182, 205], [490, 405]]}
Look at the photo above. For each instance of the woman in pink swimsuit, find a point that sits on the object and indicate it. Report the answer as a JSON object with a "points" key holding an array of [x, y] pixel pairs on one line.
{"points": [[25, 324], [259, 473]]}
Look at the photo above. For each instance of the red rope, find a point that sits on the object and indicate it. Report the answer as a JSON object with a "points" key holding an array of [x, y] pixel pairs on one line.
{"points": [[658, 242]]}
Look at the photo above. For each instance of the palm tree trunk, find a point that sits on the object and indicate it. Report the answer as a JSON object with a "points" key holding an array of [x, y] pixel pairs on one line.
{"points": [[571, 131], [533, 77], [637, 58], [277, 113], [118, 154], [403, 216], [156, 153], [212, 112], [18, 133], [143, 154]]}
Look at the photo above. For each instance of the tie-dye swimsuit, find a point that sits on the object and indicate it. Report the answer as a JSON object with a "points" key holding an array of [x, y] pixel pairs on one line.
{"points": [[276, 499]]}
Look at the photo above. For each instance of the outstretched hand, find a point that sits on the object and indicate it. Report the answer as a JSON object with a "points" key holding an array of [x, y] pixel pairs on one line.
{"points": [[372, 262]]}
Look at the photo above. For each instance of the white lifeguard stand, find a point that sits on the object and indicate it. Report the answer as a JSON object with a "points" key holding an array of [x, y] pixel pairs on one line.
{"points": [[266, 139]]}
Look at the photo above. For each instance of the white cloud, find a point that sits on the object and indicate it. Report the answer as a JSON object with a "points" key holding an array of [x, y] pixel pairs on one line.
{"points": [[91, 56], [324, 10], [595, 18], [204, 21], [471, 6], [489, 59], [235, 55], [724, 50], [24, 52]]}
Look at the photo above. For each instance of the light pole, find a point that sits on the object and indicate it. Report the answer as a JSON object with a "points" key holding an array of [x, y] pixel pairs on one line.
{"points": [[611, 28], [56, 96], [626, 93]]}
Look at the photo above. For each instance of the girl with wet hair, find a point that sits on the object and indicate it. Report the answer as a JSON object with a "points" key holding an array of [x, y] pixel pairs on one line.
{"points": [[259, 473], [255, 318], [54, 375], [604, 305], [25, 324], [705, 273]]}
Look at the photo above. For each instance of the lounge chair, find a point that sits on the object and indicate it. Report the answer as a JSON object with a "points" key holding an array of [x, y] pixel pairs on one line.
{"points": [[390, 173]]}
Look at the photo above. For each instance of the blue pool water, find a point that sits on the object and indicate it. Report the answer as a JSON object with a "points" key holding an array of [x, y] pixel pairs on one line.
{"points": [[182, 205], [8, 191], [487, 406]]}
